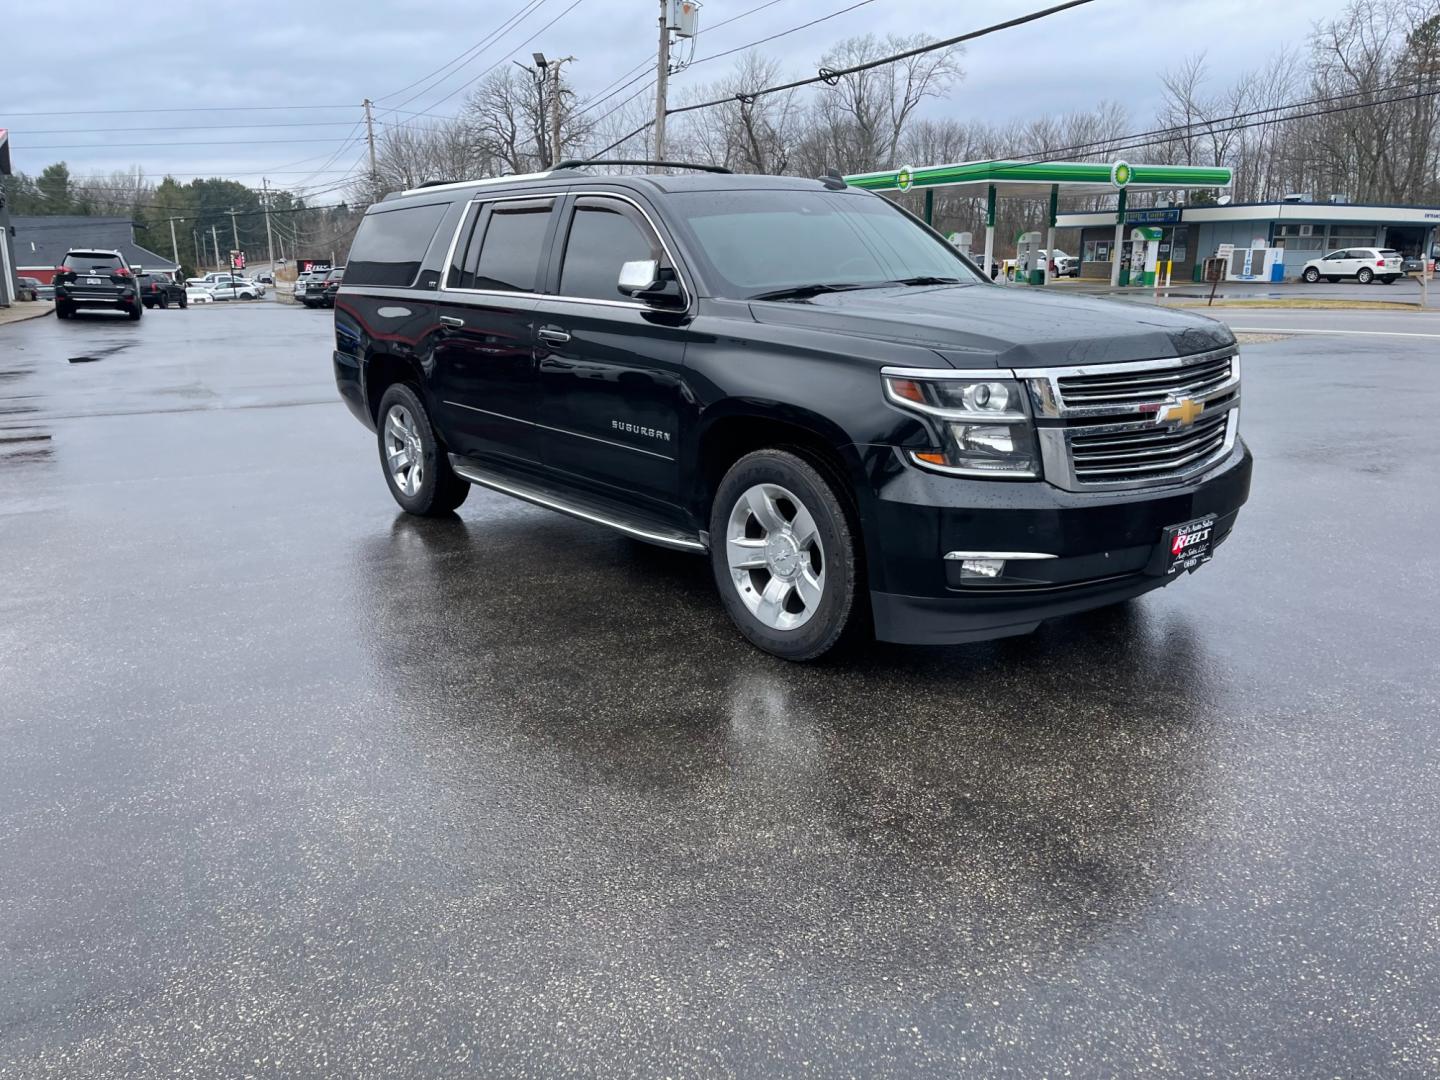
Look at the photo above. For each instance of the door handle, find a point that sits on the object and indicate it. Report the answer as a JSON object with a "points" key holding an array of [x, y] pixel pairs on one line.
{"points": [[555, 337], [451, 320]]}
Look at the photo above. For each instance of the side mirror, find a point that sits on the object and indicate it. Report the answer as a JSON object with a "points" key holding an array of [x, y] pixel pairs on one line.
{"points": [[136, 269], [646, 280]]}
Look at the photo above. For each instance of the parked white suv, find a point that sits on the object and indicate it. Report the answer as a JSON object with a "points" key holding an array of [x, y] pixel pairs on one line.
{"points": [[1362, 264]]}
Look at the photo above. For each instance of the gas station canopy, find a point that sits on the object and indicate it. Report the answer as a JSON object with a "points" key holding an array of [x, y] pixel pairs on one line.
{"points": [[1035, 178], [1039, 180]]}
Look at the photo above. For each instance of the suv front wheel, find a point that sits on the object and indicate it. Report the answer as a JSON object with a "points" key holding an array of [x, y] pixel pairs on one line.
{"points": [[416, 465], [783, 551]]}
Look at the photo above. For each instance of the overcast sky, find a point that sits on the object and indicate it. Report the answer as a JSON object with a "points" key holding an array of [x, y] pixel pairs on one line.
{"points": [[334, 53]]}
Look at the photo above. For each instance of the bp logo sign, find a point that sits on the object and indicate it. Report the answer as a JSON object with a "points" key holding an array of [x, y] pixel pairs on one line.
{"points": [[904, 178], [1120, 174]]}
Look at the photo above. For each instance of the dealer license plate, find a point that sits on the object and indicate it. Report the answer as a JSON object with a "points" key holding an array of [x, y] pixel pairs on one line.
{"points": [[1189, 545]]}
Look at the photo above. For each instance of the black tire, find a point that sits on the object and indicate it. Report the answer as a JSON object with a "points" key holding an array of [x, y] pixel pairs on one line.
{"points": [[63, 311], [439, 491], [838, 612], [1365, 275], [184, 302], [1388, 279], [135, 312], [164, 303], [1332, 280], [1311, 275]]}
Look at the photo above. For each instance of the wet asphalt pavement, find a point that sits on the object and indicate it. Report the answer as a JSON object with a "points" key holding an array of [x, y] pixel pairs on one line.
{"points": [[292, 785]]}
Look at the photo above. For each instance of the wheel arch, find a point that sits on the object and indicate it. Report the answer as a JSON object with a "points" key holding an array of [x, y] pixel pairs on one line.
{"points": [[730, 430]]}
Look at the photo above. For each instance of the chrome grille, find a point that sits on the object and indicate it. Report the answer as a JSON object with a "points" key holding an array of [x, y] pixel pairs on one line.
{"points": [[1145, 453], [1099, 425], [1207, 374]]}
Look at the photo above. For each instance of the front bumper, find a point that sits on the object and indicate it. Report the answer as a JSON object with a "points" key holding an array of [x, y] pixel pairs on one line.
{"points": [[1104, 543]]}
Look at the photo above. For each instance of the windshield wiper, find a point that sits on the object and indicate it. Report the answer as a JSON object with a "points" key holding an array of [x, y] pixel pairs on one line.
{"points": [[926, 279], [804, 292]]}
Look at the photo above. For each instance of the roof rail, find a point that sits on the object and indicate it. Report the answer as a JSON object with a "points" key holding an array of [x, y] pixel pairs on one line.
{"points": [[576, 163]]}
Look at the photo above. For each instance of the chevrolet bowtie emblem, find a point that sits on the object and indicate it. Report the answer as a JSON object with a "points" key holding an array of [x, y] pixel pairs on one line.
{"points": [[1181, 413]]}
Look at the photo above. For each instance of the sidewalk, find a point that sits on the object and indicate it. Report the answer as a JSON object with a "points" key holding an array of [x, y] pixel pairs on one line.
{"points": [[1405, 294], [26, 309]]}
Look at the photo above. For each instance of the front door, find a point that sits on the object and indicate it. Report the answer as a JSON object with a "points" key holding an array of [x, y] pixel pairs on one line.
{"points": [[611, 368], [485, 382]]}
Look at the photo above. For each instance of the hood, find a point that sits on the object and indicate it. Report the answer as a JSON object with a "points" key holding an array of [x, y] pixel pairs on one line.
{"points": [[995, 326]]}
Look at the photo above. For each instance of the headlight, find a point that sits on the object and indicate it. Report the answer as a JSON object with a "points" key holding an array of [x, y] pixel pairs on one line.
{"points": [[982, 422]]}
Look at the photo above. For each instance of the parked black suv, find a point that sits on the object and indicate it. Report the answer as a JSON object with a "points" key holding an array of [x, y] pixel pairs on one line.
{"points": [[157, 290], [320, 292], [96, 279], [799, 379]]}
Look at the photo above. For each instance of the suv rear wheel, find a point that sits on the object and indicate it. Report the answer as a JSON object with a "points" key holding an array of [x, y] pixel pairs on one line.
{"points": [[1365, 275], [136, 311], [783, 553], [415, 463]]}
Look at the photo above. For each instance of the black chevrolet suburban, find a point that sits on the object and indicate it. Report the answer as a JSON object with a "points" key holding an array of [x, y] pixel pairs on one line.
{"points": [[800, 381]]}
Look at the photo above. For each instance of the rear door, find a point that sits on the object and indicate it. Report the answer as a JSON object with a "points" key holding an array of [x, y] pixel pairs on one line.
{"points": [[611, 368], [485, 378]]}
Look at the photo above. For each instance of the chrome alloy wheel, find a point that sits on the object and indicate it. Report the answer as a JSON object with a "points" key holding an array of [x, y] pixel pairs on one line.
{"points": [[776, 559], [403, 452]]}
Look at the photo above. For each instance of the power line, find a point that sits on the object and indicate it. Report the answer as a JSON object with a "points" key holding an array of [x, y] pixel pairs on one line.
{"points": [[780, 34], [507, 56], [185, 109], [832, 76], [478, 48], [530, 4], [181, 127], [231, 142]]}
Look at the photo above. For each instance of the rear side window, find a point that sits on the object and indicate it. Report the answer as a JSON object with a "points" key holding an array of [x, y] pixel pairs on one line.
{"points": [[604, 235], [390, 245], [81, 260], [504, 249]]}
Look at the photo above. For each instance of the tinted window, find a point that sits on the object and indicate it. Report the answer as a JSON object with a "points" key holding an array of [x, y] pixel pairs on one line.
{"points": [[509, 254], [604, 235], [390, 245], [88, 261], [761, 240]]}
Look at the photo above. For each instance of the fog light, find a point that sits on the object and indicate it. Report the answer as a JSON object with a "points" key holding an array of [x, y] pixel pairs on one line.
{"points": [[983, 569]]}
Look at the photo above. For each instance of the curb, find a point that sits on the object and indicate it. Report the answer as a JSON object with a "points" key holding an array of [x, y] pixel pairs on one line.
{"points": [[9, 315]]}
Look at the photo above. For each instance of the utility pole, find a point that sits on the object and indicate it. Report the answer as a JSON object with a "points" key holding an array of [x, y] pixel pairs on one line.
{"points": [[370, 138], [557, 113], [174, 244], [215, 239], [269, 236], [662, 80], [542, 133], [199, 251]]}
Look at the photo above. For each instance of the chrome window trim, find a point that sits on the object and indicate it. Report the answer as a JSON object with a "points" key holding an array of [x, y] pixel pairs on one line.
{"points": [[581, 193], [460, 227], [633, 305]]}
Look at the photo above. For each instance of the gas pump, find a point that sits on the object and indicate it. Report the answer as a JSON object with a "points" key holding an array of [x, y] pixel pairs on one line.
{"points": [[1144, 254], [1028, 268], [961, 241]]}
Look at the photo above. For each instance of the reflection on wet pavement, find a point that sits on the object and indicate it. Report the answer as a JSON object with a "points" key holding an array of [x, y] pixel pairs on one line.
{"points": [[290, 778]]}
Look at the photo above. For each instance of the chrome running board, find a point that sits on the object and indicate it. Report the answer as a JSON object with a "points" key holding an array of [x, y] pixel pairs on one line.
{"points": [[590, 508]]}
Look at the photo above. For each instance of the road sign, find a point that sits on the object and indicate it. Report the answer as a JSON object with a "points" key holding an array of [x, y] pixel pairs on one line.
{"points": [[237, 260]]}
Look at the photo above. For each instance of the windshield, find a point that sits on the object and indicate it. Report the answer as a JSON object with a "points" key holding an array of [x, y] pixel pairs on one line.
{"points": [[762, 241], [88, 260]]}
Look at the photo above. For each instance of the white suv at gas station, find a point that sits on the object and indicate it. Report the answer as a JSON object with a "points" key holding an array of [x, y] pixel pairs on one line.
{"points": [[1362, 264]]}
